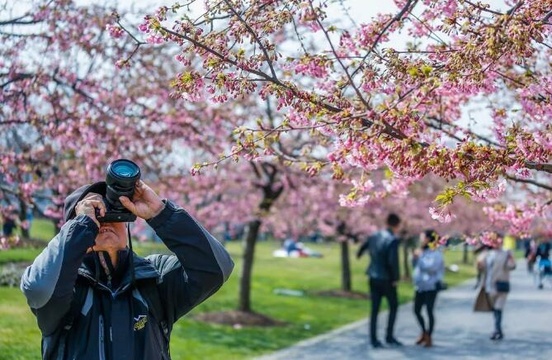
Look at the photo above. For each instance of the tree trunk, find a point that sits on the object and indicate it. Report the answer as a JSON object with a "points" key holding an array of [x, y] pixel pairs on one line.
{"points": [[25, 233], [244, 302], [345, 267], [465, 255], [270, 194]]}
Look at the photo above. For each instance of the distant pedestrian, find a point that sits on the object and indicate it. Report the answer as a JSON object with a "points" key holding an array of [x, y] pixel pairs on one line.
{"points": [[542, 257], [495, 264], [530, 254], [429, 269], [383, 273]]}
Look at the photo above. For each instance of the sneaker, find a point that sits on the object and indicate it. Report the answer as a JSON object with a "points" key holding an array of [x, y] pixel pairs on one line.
{"points": [[393, 342], [497, 336]]}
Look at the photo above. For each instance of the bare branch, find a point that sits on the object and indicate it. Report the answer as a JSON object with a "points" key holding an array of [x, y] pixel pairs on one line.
{"points": [[529, 181], [540, 167], [547, 17], [407, 7], [256, 37], [349, 77]]}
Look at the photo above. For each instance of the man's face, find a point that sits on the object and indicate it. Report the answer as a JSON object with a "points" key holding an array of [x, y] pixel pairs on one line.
{"points": [[112, 236]]}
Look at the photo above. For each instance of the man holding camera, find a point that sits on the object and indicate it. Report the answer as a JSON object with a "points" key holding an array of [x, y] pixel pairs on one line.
{"points": [[94, 298]]}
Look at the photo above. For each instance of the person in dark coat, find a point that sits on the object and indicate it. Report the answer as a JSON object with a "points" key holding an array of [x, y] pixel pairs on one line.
{"points": [[383, 274], [94, 298]]}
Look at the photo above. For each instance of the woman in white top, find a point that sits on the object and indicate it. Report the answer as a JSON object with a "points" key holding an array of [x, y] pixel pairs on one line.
{"points": [[429, 268]]}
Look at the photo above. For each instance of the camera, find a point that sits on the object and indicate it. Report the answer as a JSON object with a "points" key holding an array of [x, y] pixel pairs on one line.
{"points": [[121, 178]]}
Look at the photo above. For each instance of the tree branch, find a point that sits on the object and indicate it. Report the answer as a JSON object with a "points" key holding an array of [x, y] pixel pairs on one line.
{"points": [[540, 167], [528, 181], [257, 40], [407, 7]]}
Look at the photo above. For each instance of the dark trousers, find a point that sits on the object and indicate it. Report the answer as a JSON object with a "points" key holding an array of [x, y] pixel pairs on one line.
{"points": [[427, 299], [378, 290]]}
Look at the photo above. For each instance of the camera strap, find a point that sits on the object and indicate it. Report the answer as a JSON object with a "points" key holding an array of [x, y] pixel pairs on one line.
{"points": [[131, 262], [106, 267]]}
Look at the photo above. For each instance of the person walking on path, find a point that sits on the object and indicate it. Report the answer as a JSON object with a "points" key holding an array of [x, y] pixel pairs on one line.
{"points": [[383, 274], [530, 254], [429, 269], [460, 334], [495, 264], [544, 265], [94, 298]]}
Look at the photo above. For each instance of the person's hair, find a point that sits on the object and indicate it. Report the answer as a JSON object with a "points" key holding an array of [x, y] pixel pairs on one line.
{"points": [[431, 235], [393, 220]]}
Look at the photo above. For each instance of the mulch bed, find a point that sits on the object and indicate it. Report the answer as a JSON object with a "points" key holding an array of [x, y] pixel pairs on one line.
{"points": [[356, 295], [238, 319]]}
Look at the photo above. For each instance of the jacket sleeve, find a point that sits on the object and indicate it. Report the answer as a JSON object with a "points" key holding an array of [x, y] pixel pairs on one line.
{"points": [[393, 260], [199, 267], [49, 281], [363, 248]]}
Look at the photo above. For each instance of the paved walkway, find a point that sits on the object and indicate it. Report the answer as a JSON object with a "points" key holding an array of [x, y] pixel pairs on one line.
{"points": [[460, 333]]}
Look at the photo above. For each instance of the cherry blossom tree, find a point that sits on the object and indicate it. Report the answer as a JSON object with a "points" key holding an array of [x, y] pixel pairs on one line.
{"points": [[62, 130], [314, 205], [315, 209], [369, 103], [277, 86], [66, 115], [56, 94]]}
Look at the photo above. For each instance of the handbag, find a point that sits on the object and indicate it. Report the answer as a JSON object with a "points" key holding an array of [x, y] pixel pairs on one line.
{"points": [[502, 286], [441, 285], [482, 302]]}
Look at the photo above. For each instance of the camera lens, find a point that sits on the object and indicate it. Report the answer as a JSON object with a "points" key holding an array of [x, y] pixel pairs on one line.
{"points": [[121, 179], [125, 170]]}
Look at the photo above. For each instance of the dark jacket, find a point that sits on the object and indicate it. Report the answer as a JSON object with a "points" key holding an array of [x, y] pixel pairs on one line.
{"points": [[115, 322], [543, 250], [384, 256]]}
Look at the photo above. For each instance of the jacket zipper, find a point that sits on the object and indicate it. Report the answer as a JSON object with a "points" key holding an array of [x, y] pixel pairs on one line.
{"points": [[102, 339]]}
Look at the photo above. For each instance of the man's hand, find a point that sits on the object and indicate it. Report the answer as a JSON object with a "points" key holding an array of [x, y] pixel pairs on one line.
{"points": [[145, 204], [88, 206]]}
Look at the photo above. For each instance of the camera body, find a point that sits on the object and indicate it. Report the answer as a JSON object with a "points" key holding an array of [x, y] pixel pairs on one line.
{"points": [[121, 178]]}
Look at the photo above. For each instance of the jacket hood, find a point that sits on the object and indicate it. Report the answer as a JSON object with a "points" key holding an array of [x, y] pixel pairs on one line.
{"points": [[77, 195]]}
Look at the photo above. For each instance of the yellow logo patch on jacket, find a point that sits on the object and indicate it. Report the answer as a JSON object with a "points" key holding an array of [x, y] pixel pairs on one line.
{"points": [[140, 322]]}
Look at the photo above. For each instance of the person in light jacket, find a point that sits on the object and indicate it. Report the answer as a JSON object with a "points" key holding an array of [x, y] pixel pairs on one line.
{"points": [[429, 269], [495, 265]]}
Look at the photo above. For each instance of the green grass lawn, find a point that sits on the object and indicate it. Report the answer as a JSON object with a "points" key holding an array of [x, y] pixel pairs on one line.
{"points": [[305, 316]]}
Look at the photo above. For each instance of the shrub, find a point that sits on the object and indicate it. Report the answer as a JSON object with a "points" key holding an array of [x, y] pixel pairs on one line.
{"points": [[10, 274]]}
